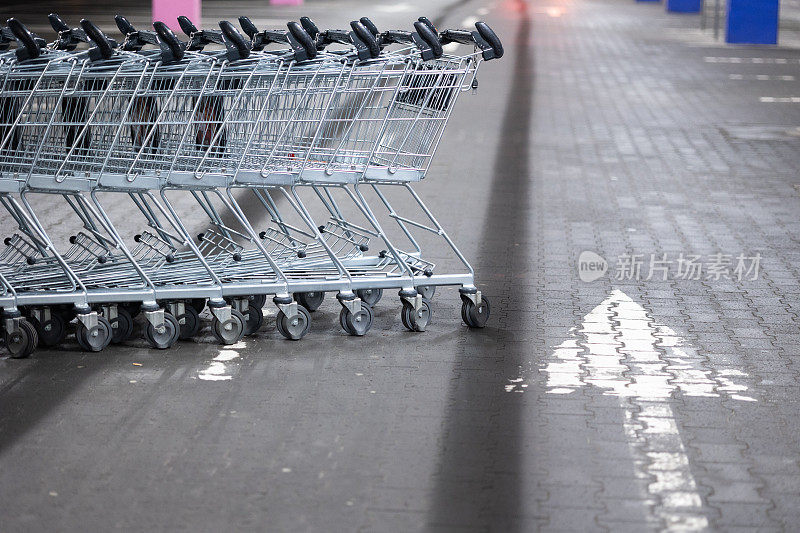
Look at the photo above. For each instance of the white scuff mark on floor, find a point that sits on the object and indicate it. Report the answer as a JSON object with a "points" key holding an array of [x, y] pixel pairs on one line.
{"points": [[780, 99], [753, 60], [622, 351], [217, 369]]}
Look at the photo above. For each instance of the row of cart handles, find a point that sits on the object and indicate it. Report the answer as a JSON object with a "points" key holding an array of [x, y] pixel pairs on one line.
{"points": [[304, 38]]}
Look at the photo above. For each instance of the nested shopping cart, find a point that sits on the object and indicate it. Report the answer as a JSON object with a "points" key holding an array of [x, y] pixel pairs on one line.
{"points": [[302, 129]]}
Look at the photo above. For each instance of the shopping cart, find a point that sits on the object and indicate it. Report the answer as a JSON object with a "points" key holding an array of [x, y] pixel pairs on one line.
{"points": [[181, 120]]}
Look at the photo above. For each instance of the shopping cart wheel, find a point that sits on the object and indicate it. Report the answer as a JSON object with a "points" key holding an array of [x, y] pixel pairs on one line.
{"points": [[253, 320], [258, 300], [21, 343], [52, 331], [167, 336], [475, 316], [357, 323], [310, 300], [121, 326], [32, 335], [133, 308], [370, 296], [427, 291], [294, 328], [231, 331], [95, 339], [189, 322], [417, 320], [198, 304]]}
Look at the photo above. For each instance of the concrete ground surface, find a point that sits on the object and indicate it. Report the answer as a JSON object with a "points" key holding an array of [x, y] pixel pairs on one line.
{"points": [[663, 395]]}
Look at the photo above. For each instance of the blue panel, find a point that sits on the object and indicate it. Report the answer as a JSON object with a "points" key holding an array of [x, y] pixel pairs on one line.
{"points": [[684, 6], [752, 21]]}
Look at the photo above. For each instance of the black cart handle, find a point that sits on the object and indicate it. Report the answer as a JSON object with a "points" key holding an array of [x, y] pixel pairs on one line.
{"points": [[366, 45], [373, 29], [431, 39], [28, 48], [198, 39], [366, 37], [261, 38], [429, 24], [172, 49], [68, 38], [103, 49], [484, 38], [301, 36], [310, 27], [302, 44], [234, 42]]}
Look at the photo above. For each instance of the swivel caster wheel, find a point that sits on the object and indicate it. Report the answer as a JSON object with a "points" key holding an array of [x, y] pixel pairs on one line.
{"points": [[427, 291], [188, 322], [358, 323], [96, 338], [33, 337], [198, 304], [370, 296], [167, 336], [417, 319], [310, 300], [22, 343], [294, 328], [231, 331], [475, 316], [258, 300], [253, 319], [52, 331], [121, 326]]}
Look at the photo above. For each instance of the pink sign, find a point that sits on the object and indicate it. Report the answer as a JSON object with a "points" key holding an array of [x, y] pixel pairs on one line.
{"points": [[167, 11]]}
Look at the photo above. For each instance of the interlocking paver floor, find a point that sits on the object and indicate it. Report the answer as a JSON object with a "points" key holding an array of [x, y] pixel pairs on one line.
{"points": [[617, 404]]}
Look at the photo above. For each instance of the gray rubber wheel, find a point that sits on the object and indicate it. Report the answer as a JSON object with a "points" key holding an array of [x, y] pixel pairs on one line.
{"points": [[358, 323], [370, 296], [417, 320], [189, 322], [18, 343], [33, 337], [253, 319], [258, 300], [427, 291], [310, 300], [96, 338], [475, 316], [231, 331], [167, 337], [121, 326], [294, 328], [52, 331]]}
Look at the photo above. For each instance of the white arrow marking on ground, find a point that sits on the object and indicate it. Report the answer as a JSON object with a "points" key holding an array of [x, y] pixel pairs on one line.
{"points": [[619, 349]]}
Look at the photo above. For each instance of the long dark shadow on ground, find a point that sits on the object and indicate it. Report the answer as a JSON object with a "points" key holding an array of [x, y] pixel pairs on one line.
{"points": [[478, 480]]}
